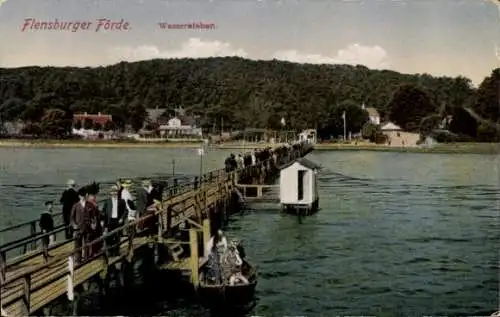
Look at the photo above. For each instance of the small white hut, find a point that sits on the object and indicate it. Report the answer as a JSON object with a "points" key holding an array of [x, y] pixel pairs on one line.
{"points": [[299, 186]]}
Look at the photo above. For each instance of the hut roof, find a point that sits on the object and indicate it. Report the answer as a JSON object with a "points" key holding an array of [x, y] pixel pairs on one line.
{"points": [[302, 161]]}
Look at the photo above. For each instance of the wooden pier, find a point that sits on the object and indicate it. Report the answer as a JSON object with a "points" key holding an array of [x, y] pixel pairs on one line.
{"points": [[33, 279]]}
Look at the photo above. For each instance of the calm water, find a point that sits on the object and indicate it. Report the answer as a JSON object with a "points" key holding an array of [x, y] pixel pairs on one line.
{"points": [[397, 233]]}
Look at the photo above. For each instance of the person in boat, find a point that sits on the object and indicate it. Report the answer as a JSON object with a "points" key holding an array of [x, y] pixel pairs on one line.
{"points": [[240, 248], [231, 262], [238, 279], [113, 216], [68, 199], [46, 226], [218, 241], [213, 273]]}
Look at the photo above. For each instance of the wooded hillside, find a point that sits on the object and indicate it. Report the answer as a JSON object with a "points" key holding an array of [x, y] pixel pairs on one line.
{"points": [[245, 93]]}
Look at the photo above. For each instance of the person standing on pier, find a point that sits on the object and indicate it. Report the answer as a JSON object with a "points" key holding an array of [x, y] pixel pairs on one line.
{"points": [[47, 226], [239, 161], [254, 157], [95, 230], [227, 164], [144, 201], [80, 221], [131, 211], [68, 199], [120, 188], [113, 216]]}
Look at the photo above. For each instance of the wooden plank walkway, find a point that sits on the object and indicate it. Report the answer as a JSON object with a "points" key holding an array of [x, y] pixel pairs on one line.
{"points": [[31, 281]]}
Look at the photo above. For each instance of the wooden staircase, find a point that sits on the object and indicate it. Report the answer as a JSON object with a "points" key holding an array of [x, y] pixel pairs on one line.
{"points": [[175, 248]]}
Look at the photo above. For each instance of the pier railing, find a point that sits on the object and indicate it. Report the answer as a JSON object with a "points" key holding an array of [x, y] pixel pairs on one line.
{"points": [[29, 284], [26, 287]]}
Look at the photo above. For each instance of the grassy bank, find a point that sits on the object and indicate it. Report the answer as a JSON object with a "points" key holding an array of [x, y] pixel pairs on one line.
{"points": [[94, 144], [458, 148], [455, 148], [11, 143]]}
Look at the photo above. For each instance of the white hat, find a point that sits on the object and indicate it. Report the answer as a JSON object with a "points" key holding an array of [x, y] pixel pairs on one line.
{"points": [[71, 182]]}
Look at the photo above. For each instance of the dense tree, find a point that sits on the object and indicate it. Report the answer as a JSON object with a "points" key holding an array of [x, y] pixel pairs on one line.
{"points": [[429, 123], [108, 126], [240, 93], [97, 126], [408, 106], [55, 123], [487, 104], [369, 131]]}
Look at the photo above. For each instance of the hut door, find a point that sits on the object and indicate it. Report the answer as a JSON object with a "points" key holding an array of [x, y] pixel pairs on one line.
{"points": [[300, 184]]}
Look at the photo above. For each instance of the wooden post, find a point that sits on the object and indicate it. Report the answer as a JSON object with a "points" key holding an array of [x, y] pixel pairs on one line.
{"points": [[70, 287], [176, 183], [195, 263], [169, 218], [33, 233], [160, 227], [259, 191], [195, 182], [206, 234], [3, 266], [26, 294]]}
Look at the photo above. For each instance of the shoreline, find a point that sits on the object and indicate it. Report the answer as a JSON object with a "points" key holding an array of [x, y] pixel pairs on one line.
{"points": [[442, 148], [451, 148]]}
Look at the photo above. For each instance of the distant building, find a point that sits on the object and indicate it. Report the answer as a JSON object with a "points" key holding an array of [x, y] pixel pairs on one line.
{"points": [[102, 119], [176, 129], [12, 127], [308, 135], [397, 137], [156, 116], [373, 114]]}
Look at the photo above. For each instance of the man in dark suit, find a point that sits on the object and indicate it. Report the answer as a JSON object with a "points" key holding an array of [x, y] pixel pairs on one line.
{"points": [[145, 200], [68, 199], [80, 221], [113, 216]]}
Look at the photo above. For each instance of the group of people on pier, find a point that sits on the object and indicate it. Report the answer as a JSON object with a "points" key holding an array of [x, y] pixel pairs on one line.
{"points": [[224, 261], [85, 221], [276, 156]]}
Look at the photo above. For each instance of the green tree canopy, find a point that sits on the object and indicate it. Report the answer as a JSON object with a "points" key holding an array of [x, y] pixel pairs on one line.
{"points": [[241, 93], [408, 106]]}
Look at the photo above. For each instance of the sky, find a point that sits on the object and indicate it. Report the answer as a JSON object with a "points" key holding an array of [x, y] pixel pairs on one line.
{"points": [[438, 37]]}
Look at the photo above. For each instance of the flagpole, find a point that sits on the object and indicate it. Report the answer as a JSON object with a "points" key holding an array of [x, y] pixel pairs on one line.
{"points": [[200, 152], [343, 116]]}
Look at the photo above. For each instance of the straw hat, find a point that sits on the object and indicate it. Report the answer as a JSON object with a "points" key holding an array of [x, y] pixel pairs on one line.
{"points": [[71, 182], [127, 183], [146, 182], [114, 189]]}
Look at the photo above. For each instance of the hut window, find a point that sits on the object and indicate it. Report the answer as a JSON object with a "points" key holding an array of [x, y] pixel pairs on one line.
{"points": [[300, 184]]}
